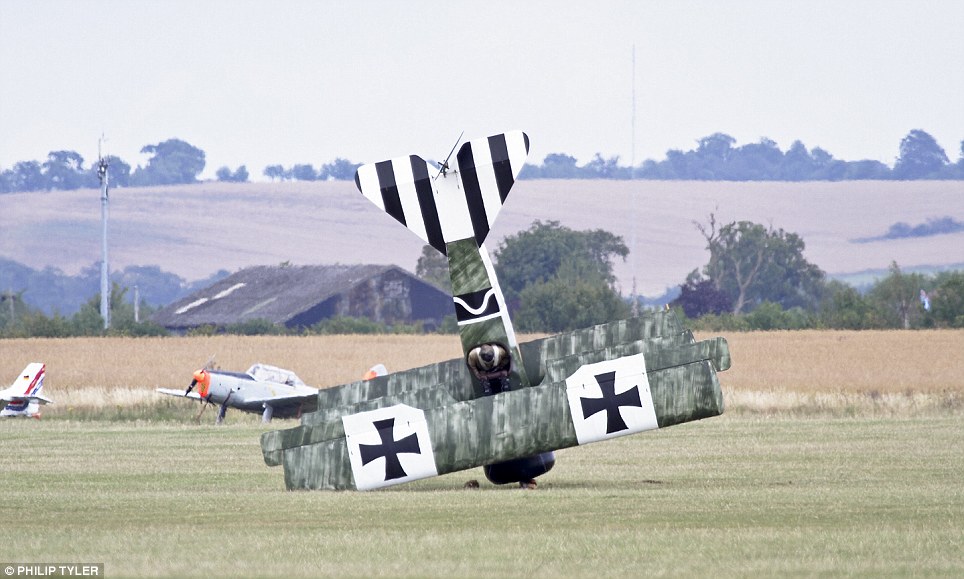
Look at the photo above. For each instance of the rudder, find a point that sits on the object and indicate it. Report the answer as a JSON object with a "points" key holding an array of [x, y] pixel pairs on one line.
{"points": [[461, 202]]}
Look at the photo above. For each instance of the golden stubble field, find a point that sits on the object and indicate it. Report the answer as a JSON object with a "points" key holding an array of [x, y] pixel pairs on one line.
{"points": [[895, 372]]}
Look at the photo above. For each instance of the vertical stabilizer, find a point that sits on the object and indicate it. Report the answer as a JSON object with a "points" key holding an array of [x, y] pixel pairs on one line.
{"points": [[23, 396]]}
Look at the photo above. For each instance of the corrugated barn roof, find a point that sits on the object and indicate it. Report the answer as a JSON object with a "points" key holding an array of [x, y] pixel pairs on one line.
{"points": [[279, 293]]}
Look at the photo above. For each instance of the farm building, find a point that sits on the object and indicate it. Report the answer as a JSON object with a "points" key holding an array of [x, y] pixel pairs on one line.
{"points": [[300, 296]]}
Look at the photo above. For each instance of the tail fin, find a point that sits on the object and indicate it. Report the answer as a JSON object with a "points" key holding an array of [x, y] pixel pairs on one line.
{"points": [[23, 396], [461, 202]]}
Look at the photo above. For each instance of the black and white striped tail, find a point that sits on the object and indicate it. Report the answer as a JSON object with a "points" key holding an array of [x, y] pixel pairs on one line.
{"points": [[461, 203]]}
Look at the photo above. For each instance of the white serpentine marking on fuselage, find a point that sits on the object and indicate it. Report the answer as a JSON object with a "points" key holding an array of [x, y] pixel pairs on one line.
{"points": [[476, 311], [482, 319]]}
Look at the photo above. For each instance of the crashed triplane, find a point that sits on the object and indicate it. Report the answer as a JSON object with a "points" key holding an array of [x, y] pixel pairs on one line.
{"points": [[503, 405]]}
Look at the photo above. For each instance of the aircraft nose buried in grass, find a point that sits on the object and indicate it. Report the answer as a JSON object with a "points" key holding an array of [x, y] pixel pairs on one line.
{"points": [[263, 389], [503, 405]]}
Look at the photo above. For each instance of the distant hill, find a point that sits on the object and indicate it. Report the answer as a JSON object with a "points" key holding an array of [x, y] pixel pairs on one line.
{"points": [[194, 231]]}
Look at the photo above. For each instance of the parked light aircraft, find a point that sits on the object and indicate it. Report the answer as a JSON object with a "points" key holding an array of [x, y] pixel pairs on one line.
{"points": [[23, 398], [263, 389], [503, 405]]}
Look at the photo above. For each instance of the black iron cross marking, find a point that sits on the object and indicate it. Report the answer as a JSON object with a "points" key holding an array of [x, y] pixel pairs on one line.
{"points": [[610, 402], [389, 448]]}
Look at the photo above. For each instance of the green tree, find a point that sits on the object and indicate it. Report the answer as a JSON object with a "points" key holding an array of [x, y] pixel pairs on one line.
{"points": [[947, 300], [64, 170], [304, 172], [339, 169], [539, 253], [88, 322], [27, 176], [274, 172], [844, 308], [757, 161], [797, 165], [600, 168], [173, 162], [575, 298], [555, 278], [433, 267], [12, 311], [897, 298], [559, 166], [700, 296], [238, 176], [119, 173], [752, 264], [920, 157]]}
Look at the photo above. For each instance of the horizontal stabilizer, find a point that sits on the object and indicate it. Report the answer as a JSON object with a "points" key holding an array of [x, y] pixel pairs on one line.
{"points": [[450, 204]]}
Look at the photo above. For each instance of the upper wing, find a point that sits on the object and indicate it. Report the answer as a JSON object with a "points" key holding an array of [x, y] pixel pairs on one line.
{"points": [[461, 203]]}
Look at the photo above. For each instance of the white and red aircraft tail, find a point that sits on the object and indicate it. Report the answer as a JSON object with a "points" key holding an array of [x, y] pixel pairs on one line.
{"points": [[23, 398]]}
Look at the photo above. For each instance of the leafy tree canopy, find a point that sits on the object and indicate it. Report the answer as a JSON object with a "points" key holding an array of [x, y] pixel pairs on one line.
{"points": [[751, 264], [173, 162], [920, 157], [240, 175], [549, 268], [433, 267], [538, 254]]}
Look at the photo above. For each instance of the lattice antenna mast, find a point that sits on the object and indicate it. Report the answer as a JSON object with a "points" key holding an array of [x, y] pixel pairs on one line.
{"points": [[102, 174]]}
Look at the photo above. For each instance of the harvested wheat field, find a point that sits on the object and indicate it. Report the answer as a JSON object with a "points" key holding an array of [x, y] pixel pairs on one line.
{"points": [[802, 372]]}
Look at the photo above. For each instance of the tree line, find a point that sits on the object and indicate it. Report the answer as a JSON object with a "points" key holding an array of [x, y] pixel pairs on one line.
{"points": [[715, 158], [557, 279]]}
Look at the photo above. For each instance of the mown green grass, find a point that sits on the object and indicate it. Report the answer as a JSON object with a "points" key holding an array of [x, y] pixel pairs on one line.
{"points": [[730, 496]]}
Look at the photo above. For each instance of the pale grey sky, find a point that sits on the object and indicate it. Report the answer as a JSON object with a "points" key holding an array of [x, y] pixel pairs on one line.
{"points": [[260, 82]]}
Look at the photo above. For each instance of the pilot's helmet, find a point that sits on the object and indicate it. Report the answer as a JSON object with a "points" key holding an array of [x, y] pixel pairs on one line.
{"points": [[487, 353]]}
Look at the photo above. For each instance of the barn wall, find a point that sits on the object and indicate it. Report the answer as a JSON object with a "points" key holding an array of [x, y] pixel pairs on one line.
{"points": [[310, 317]]}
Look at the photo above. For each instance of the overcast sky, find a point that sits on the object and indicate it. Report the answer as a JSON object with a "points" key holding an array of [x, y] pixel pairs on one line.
{"points": [[261, 82]]}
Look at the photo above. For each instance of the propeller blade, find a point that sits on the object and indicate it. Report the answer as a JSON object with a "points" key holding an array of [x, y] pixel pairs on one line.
{"points": [[191, 387], [444, 166]]}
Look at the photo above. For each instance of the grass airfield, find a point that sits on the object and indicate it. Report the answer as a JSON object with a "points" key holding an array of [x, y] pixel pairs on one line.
{"points": [[840, 454], [729, 496]]}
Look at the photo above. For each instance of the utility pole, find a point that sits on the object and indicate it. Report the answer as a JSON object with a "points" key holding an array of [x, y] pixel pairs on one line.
{"points": [[11, 297], [104, 215], [632, 124]]}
